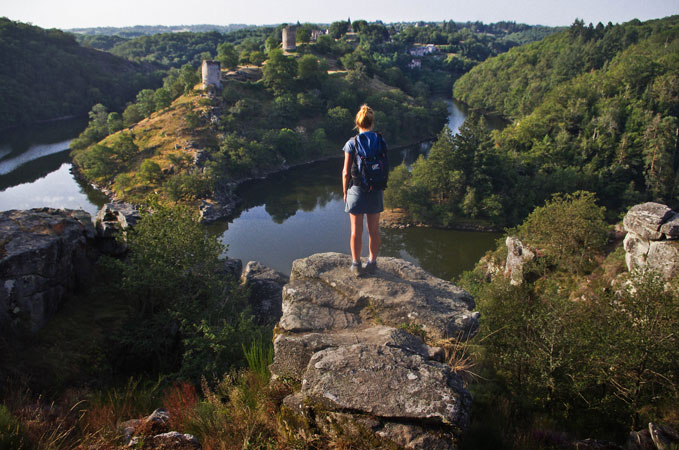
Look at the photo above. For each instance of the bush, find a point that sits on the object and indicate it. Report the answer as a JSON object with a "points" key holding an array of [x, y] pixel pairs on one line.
{"points": [[186, 316], [11, 434], [569, 229]]}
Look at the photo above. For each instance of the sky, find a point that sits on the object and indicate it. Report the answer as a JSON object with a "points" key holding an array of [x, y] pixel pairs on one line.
{"points": [[92, 13]]}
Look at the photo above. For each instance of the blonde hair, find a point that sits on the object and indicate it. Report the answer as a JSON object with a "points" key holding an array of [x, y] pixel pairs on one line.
{"points": [[365, 117]]}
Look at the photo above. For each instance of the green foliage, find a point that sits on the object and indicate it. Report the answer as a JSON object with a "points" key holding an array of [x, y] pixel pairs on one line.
{"points": [[11, 434], [279, 71], [132, 115], [186, 316], [78, 77], [149, 171], [462, 177], [578, 346], [227, 55], [114, 122], [591, 112], [170, 49], [569, 229], [187, 186], [259, 357]]}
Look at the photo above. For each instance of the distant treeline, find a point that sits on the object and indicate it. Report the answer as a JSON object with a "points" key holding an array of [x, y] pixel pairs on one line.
{"points": [[147, 30]]}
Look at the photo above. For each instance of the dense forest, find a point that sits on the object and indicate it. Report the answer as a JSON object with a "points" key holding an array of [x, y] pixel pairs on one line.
{"points": [[46, 74], [300, 109], [594, 108]]}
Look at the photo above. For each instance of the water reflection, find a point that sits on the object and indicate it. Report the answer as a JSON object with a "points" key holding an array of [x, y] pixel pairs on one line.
{"points": [[35, 169], [299, 212]]}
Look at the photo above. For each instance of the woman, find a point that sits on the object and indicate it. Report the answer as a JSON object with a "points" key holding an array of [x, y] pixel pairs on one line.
{"points": [[359, 201]]}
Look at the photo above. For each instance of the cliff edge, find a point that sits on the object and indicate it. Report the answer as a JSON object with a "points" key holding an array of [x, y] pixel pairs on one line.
{"points": [[370, 352]]}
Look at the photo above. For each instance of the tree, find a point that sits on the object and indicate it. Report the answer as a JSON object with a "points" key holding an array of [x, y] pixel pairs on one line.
{"points": [[279, 71], [146, 102], [304, 33], [227, 55], [162, 98], [149, 171], [338, 29], [569, 229], [123, 146], [132, 115], [114, 122], [311, 71]]}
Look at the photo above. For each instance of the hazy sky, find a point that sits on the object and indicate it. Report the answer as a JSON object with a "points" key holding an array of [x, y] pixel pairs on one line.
{"points": [[90, 13]]}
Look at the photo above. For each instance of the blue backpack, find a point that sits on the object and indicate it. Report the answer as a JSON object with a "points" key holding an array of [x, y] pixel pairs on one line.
{"points": [[373, 165]]}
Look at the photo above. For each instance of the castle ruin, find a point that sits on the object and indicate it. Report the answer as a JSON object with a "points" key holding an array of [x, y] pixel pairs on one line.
{"points": [[290, 38], [212, 75]]}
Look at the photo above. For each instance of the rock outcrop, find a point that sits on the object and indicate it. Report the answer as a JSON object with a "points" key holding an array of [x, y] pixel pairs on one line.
{"points": [[355, 345], [652, 240], [43, 258], [111, 220], [152, 433], [266, 287], [518, 255]]}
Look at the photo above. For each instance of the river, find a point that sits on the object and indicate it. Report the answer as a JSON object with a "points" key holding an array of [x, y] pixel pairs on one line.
{"points": [[289, 215]]}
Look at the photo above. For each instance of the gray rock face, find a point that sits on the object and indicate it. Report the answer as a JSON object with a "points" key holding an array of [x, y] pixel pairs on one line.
{"points": [[294, 351], [400, 293], [43, 258], [412, 386], [671, 228], [646, 220], [265, 286], [652, 240], [518, 255], [346, 339]]}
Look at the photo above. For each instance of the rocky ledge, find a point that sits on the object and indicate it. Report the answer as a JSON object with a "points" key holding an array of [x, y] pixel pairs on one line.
{"points": [[43, 257], [356, 346]]}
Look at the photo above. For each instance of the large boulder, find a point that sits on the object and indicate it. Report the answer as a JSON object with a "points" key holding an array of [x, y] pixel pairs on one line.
{"points": [[646, 219], [44, 257], [652, 240], [357, 345]]}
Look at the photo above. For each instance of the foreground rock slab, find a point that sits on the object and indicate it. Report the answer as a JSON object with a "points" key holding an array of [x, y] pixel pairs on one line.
{"points": [[366, 352]]}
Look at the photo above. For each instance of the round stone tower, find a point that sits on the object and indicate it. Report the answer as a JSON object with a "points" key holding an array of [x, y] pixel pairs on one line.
{"points": [[212, 74], [290, 38]]}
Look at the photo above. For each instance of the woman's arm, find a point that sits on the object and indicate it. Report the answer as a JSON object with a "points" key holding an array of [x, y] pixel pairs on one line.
{"points": [[346, 174]]}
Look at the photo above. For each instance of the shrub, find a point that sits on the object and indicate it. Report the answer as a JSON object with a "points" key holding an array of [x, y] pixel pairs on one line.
{"points": [[570, 229], [11, 433]]}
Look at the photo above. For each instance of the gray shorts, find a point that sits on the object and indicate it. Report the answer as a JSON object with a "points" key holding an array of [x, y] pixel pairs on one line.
{"points": [[360, 202]]}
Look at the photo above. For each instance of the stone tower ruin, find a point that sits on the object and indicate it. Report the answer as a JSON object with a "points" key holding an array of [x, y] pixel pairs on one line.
{"points": [[212, 74], [290, 38]]}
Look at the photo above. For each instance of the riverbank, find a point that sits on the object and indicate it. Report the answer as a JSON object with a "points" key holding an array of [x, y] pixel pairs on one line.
{"points": [[398, 218]]}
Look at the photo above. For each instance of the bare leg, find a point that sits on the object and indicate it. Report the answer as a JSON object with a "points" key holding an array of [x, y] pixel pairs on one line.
{"points": [[356, 242], [373, 221]]}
